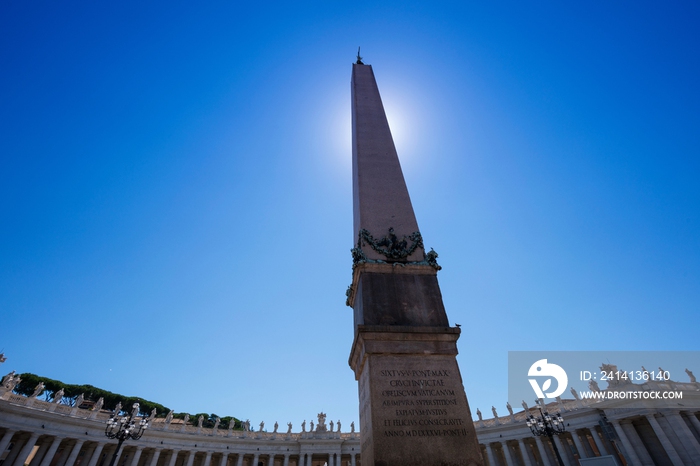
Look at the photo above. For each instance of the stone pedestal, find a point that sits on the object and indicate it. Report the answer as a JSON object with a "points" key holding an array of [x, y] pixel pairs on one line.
{"points": [[413, 408]]}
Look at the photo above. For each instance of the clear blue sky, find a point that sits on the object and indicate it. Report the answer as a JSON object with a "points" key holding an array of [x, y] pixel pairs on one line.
{"points": [[176, 205]]}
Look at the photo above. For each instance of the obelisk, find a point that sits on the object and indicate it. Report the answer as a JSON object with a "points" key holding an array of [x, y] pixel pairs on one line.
{"points": [[413, 408]]}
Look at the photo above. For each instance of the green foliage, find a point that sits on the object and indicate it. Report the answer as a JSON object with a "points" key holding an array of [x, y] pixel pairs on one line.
{"points": [[209, 420], [71, 392], [226, 421]]}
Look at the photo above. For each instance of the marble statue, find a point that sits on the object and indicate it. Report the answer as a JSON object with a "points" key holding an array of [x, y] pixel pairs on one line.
{"points": [[98, 405], [593, 385], [185, 419], [200, 421], [525, 406], [330, 424], [7, 379], [493, 410], [79, 400], [216, 422], [321, 422], [262, 424], [16, 380], [560, 402], [574, 392], [613, 381], [352, 427], [247, 425], [10, 381], [478, 413], [58, 396], [169, 417], [509, 408], [690, 374], [37, 390], [153, 414], [289, 427], [311, 426], [135, 408], [338, 425], [303, 426]]}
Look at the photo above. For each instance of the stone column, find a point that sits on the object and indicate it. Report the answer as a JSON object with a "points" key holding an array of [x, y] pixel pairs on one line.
{"points": [[224, 460], [665, 442], [543, 451], [40, 452], [255, 459], [489, 455], [523, 450], [685, 435], [96, 454], [691, 415], [17, 447], [9, 433], [207, 459], [309, 459], [74, 452], [579, 446], [154, 459], [352, 459], [506, 452], [286, 460], [239, 462], [190, 459], [116, 454], [173, 458], [137, 456], [598, 442], [632, 457], [48, 457], [26, 449], [562, 451], [19, 443], [331, 459], [271, 460]]}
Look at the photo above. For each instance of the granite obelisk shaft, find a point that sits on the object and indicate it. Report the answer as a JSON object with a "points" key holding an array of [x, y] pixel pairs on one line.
{"points": [[381, 198], [413, 409]]}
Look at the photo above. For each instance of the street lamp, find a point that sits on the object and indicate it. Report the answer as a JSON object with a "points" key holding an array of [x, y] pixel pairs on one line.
{"points": [[549, 425], [125, 427]]}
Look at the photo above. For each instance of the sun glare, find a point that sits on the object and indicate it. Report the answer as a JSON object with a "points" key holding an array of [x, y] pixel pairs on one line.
{"points": [[403, 111]]}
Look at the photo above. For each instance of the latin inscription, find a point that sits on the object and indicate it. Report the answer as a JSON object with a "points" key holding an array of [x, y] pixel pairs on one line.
{"points": [[426, 433], [416, 404]]}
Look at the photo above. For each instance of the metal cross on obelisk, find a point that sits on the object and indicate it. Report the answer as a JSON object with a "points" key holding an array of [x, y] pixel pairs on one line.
{"points": [[413, 408]]}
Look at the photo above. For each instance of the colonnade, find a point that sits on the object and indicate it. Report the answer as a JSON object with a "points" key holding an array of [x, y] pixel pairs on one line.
{"points": [[38, 449], [637, 437]]}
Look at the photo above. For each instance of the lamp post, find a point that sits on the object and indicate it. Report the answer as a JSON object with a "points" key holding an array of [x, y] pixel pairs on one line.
{"points": [[125, 427], [549, 425]]}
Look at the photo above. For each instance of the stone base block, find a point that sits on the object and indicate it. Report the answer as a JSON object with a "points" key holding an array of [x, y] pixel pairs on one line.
{"points": [[413, 408]]}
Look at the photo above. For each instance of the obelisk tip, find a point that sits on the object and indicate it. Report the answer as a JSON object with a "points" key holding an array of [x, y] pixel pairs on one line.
{"points": [[359, 58]]}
